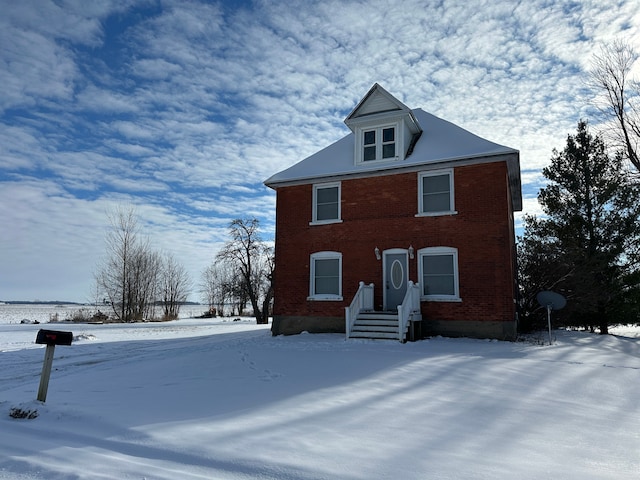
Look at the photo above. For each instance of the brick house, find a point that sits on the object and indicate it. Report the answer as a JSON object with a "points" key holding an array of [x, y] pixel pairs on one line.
{"points": [[403, 228]]}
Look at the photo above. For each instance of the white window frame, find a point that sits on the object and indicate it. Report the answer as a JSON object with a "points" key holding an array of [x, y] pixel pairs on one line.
{"points": [[314, 213], [433, 251], [327, 255], [452, 196], [379, 143]]}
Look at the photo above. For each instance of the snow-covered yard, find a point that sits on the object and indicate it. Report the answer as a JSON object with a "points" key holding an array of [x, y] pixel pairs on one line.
{"points": [[215, 399]]}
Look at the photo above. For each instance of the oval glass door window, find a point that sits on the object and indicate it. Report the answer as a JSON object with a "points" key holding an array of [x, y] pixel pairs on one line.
{"points": [[397, 274]]}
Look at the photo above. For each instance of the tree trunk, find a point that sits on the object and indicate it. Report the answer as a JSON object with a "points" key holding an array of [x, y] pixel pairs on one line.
{"points": [[604, 323]]}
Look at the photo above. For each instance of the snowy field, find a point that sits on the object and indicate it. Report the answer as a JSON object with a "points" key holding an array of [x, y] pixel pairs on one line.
{"points": [[212, 399], [43, 313]]}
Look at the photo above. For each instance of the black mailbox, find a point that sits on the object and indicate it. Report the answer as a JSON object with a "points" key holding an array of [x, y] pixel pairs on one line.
{"points": [[54, 337]]}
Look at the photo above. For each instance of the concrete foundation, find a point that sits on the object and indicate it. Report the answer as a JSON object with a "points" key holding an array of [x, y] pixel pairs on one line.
{"points": [[292, 325]]}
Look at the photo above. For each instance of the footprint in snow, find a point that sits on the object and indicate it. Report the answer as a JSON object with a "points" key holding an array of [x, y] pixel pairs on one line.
{"points": [[269, 376]]}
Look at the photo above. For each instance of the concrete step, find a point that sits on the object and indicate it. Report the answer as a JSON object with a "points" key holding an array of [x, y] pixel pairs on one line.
{"points": [[375, 328], [376, 319], [381, 315], [375, 335], [376, 325]]}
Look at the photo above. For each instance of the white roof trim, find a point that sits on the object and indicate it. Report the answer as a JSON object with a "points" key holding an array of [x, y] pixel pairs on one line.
{"points": [[377, 102]]}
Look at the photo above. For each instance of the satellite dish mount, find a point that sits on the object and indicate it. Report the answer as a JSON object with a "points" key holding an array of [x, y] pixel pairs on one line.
{"points": [[551, 301]]}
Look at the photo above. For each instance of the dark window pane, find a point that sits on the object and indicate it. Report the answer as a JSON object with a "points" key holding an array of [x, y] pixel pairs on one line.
{"points": [[369, 153], [327, 203], [327, 195], [436, 195], [438, 275], [328, 211], [389, 150], [327, 286], [327, 267], [436, 184], [436, 203], [388, 134], [438, 264], [370, 137], [439, 285], [327, 277]]}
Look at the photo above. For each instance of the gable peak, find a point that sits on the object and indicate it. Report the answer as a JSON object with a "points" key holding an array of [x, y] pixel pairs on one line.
{"points": [[377, 100], [378, 103]]}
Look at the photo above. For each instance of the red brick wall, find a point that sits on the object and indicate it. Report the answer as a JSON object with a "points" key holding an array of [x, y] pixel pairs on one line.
{"points": [[380, 211]]}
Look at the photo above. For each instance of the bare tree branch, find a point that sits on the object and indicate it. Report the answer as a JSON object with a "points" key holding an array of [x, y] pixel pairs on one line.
{"points": [[253, 262], [619, 96]]}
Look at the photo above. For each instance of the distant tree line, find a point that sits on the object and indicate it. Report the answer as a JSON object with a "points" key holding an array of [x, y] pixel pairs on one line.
{"points": [[137, 282], [586, 245]]}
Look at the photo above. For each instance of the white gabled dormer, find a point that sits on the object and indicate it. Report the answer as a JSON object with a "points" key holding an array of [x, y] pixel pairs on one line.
{"points": [[385, 129]]}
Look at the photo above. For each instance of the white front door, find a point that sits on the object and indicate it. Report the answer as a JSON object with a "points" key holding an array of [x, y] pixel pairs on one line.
{"points": [[396, 276]]}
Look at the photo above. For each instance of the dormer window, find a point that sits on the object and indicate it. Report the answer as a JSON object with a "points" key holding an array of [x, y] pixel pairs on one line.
{"points": [[369, 148], [384, 128], [379, 144], [388, 142]]}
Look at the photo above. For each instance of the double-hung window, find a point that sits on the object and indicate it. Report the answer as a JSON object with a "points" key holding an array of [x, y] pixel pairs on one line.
{"points": [[325, 276], [326, 203], [435, 193], [379, 143], [438, 272]]}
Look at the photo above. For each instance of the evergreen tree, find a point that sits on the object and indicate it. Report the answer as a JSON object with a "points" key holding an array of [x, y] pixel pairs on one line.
{"points": [[586, 245]]}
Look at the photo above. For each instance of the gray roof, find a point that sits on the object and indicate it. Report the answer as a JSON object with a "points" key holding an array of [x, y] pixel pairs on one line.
{"points": [[442, 144]]}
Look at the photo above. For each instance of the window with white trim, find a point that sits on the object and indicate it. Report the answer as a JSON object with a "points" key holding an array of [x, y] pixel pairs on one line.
{"points": [[325, 276], [326, 203], [438, 273], [379, 143], [435, 193]]}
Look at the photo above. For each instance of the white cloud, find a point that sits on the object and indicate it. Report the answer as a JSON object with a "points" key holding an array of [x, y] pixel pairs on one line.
{"points": [[189, 106]]}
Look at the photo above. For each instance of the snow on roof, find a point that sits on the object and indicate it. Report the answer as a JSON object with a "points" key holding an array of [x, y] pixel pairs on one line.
{"points": [[441, 144]]}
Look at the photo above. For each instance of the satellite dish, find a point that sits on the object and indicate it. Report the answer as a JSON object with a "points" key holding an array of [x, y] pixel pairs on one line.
{"points": [[552, 300]]}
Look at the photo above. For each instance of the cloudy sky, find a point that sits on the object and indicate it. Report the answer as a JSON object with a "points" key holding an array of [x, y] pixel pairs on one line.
{"points": [[183, 108]]}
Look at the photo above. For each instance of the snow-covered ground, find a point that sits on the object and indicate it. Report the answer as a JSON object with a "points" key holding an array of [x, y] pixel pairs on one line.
{"points": [[44, 313], [212, 399]]}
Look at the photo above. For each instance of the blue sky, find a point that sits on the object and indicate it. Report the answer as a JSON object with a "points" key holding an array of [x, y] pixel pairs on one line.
{"points": [[183, 108]]}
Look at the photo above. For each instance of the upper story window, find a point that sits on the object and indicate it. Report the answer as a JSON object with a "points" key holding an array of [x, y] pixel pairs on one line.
{"points": [[438, 272], [435, 193], [325, 276], [379, 144], [326, 203]]}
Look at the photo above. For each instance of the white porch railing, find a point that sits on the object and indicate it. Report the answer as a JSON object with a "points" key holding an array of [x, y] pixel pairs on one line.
{"points": [[410, 306], [362, 300]]}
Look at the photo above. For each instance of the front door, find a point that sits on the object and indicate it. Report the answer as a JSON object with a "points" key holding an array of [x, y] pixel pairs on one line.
{"points": [[396, 276]]}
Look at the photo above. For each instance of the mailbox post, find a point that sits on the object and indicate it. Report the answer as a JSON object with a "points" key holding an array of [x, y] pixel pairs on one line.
{"points": [[50, 338]]}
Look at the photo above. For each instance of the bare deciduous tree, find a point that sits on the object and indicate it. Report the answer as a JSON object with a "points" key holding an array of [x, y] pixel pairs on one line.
{"points": [[134, 277], [174, 286], [221, 287], [114, 276], [209, 288], [143, 283], [264, 279], [619, 97], [253, 261]]}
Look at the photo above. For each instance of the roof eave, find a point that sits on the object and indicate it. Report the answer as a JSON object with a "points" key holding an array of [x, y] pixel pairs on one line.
{"points": [[512, 158]]}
